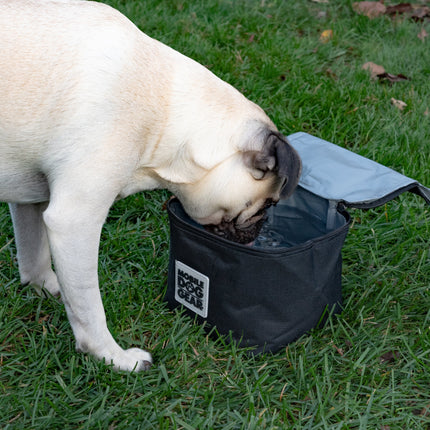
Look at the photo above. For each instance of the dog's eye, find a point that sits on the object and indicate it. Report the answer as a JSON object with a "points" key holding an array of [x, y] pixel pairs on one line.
{"points": [[248, 203]]}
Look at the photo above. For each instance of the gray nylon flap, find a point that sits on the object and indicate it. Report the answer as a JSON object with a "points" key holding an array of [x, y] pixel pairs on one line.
{"points": [[335, 173]]}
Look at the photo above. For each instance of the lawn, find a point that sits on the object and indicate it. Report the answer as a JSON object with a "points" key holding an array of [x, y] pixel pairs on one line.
{"points": [[366, 369]]}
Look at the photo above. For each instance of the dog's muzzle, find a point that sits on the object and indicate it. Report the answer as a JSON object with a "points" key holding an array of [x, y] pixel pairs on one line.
{"points": [[243, 233]]}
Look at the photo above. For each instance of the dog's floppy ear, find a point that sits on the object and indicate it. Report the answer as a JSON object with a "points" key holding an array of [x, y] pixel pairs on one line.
{"points": [[276, 156]]}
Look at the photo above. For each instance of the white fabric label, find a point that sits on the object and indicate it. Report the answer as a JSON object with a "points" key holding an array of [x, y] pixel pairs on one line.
{"points": [[191, 289]]}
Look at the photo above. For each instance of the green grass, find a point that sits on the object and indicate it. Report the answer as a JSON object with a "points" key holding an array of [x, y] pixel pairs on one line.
{"points": [[367, 369]]}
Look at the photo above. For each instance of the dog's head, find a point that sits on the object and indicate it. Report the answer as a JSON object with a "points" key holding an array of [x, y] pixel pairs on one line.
{"points": [[234, 193]]}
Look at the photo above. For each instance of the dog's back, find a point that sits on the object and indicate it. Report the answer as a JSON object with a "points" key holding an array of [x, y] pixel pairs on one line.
{"points": [[60, 79], [49, 61]]}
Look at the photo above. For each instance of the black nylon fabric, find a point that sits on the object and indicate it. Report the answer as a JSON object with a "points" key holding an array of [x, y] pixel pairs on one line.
{"points": [[266, 298], [269, 297]]}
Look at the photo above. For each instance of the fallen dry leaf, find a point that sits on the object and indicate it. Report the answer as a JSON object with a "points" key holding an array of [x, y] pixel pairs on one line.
{"points": [[417, 12], [420, 13], [377, 71], [373, 68], [392, 78], [399, 104], [426, 112], [339, 350], [371, 9], [326, 36], [390, 356], [399, 9], [422, 34]]}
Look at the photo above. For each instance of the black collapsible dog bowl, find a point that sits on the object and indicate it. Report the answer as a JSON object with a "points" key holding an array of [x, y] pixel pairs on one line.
{"points": [[268, 294]]}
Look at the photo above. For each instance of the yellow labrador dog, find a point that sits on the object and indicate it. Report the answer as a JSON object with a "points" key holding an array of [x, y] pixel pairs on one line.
{"points": [[93, 110]]}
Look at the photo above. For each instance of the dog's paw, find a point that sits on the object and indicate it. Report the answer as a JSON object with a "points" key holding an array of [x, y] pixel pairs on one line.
{"points": [[46, 285], [51, 290], [133, 359]]}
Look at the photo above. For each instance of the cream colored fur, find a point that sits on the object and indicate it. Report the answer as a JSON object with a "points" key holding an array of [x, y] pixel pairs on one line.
{"points": [[92, 110]]}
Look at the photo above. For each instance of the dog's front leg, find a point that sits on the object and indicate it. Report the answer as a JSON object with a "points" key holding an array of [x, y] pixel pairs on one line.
{"points": [[74, 222]]}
